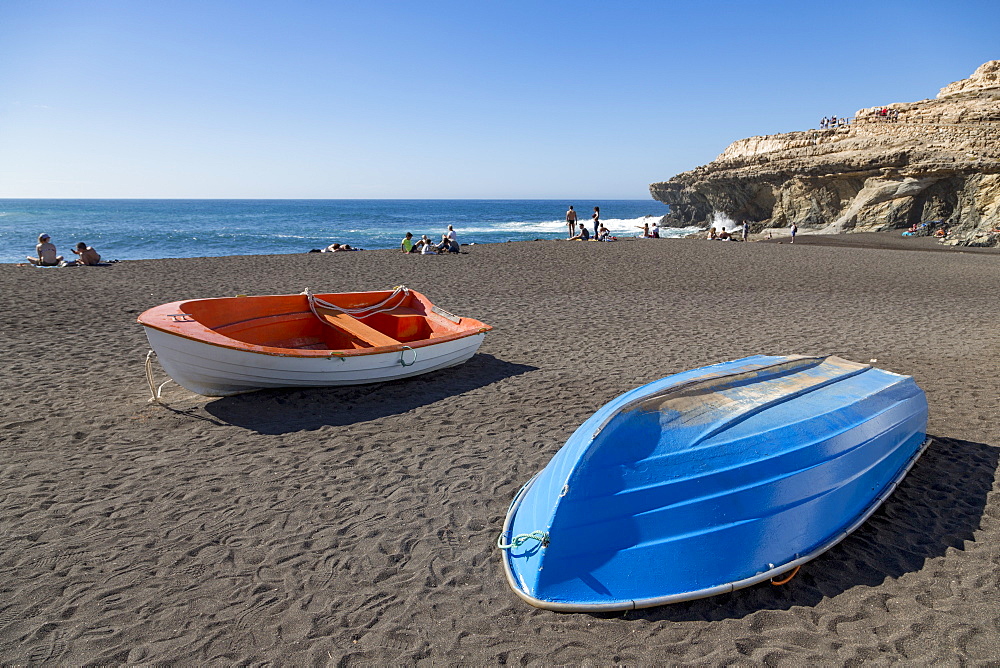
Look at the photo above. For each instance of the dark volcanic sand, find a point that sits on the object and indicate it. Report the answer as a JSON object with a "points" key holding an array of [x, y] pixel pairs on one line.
{"points": [[357, 525]]}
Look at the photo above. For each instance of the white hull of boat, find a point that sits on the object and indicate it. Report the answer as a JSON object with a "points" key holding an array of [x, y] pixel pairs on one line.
{"points": [[215, 371]]}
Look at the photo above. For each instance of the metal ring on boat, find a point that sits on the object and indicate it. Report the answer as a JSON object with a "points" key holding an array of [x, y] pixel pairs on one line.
{"points": [[403, 352]]}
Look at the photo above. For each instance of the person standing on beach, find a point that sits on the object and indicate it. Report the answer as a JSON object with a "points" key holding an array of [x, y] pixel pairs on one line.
{"points": [[746, 231], [571, 221], [794, 231], [596, 217]]}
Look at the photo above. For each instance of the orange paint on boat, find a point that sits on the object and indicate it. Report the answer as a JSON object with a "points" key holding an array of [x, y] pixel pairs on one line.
{"points": [[284, 325]]}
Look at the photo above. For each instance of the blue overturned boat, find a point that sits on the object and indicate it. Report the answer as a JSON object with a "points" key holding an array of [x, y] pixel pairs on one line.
{"points": [[711, 480]]}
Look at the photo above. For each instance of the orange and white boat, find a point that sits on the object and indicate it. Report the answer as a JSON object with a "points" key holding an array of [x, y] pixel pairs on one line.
{"points": [[229, 345]]}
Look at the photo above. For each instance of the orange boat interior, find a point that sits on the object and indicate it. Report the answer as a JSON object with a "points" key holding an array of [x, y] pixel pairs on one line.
{"points": [[285, 321]]}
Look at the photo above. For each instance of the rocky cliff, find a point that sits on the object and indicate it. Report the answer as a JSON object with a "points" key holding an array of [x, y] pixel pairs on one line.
{"points": [[916, 162]]}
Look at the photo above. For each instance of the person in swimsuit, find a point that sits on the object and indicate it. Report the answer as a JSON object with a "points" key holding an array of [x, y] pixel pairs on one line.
{"points": [[596, 217], [46, 252], [88, 256], [571, 222]]}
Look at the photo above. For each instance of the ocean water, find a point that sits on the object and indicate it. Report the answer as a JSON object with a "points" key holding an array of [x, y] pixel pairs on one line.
{"points": [[146, 229]]}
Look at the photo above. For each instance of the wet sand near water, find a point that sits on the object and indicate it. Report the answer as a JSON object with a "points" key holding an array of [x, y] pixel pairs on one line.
{"points": [[347, 526]]}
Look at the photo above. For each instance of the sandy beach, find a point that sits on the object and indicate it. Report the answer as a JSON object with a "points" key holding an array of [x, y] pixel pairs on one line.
{"points": [[357, 526]]}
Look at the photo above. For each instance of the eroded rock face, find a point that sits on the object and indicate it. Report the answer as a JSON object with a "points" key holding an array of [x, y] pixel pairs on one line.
{"points": [[933, 160]]}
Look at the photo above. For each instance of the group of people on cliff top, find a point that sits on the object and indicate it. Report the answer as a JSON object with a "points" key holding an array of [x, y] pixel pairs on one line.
{"points": [[833, 122], [884, 115], [47, 256], [424, 245]]}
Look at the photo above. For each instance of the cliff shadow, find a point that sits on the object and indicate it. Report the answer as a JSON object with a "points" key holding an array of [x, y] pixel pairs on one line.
{"points": [[938, 505], [283, 411]]}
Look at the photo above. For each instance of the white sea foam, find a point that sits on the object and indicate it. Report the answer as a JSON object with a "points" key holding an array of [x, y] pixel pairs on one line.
{"points": [[720, 220], [617, 226]]}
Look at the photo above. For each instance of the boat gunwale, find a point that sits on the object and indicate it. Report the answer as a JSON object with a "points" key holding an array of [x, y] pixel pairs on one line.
{"points": [[214, 338], [724, 588]]}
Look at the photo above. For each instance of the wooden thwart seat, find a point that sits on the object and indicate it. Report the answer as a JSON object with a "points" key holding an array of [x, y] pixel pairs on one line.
{"points": [[356, 328]]}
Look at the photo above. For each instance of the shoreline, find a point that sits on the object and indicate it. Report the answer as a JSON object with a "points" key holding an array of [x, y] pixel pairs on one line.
{"points": [[327, 525], [862, 240]]}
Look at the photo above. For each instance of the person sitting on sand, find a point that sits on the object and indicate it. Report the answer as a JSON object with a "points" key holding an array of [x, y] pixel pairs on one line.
{"points": [[602, 233], [407, 244], [88, 256], [654, 232], [332, 248], [583, 235], [46, 251], [445, 244], [645, 230], [724, 236], [712, 234], [426, 247]]}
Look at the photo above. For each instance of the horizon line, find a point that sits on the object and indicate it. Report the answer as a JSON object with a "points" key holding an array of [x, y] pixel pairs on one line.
{"points": [[341, 199]]}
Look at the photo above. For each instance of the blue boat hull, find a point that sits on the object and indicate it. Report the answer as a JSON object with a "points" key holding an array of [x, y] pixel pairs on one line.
{"points": [[712, 480]]}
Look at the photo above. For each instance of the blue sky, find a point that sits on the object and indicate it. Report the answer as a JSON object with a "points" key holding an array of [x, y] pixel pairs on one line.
{"points": [[472, 99]]}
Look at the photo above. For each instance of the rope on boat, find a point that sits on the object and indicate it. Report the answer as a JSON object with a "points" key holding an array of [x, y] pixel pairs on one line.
{"points": [[519, 540], [361, 311], [795, 571], [403, 352], [154, 391]]}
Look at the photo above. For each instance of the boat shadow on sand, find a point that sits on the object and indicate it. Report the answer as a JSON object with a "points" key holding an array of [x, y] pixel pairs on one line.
{"points": [[288, 410], [937, 506]]}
